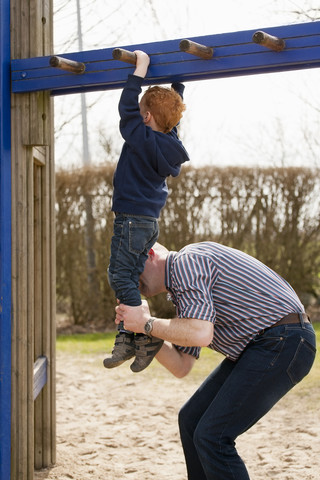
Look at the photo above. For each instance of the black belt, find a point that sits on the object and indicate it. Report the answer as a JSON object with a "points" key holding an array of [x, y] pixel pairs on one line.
{"points": [[292, 318]]}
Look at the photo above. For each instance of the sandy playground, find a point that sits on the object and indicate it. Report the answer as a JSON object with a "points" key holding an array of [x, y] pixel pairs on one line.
{"points": [[114, 425]]}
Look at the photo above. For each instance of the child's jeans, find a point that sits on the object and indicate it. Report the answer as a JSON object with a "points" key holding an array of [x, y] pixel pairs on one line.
{"points": [[133, 236]]}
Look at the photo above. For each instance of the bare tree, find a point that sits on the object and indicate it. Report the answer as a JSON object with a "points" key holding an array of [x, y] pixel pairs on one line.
{"points": [[309, 13]]}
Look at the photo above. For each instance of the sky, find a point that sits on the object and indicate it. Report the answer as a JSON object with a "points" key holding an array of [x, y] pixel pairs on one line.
{"points": [[258, 120]]}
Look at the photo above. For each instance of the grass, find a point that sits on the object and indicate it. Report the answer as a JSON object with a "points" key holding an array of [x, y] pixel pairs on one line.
{"points": [[86, 343], [102, 343]]}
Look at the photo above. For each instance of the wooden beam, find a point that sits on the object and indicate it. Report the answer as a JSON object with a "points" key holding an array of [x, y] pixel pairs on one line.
{"points": [[234, 54]]}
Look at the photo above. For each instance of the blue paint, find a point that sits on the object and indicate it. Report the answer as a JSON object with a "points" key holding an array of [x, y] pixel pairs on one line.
{"points": [[235, 54], [5, 242]]}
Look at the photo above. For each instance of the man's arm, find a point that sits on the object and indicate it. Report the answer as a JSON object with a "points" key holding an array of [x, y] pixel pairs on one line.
{"points": [[178, 363], [186, 332]]}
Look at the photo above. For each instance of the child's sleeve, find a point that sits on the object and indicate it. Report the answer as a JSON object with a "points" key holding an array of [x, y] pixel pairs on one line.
{"points": [[178, 87], [131, 124]]}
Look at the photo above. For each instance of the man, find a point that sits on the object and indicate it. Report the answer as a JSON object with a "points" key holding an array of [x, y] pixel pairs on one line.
{"points": [[232, 303]]}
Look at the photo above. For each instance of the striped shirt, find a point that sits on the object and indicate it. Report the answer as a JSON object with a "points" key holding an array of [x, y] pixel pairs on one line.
{"points": [[236, 292]]}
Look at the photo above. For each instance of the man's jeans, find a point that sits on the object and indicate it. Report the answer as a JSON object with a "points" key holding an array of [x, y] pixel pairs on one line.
{"points": [[237, 394], [133, 236]]}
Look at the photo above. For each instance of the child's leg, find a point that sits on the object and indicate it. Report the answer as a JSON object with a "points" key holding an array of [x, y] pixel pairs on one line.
{"points": [[123, 263], [142, 238], [133, 237]]}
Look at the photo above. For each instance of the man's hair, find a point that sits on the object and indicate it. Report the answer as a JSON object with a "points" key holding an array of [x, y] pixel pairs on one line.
{"points": [[166, 105]]}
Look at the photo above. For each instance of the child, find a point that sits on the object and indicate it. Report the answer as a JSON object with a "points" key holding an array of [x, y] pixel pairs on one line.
{"points": [[152, 151]]}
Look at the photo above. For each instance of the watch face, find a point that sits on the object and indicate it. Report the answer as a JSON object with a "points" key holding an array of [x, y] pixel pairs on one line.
{"points": [[148, 326]]}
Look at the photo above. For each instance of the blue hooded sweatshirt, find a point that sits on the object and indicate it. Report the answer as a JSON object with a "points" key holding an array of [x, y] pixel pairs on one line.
{"points": [[147, 158]]}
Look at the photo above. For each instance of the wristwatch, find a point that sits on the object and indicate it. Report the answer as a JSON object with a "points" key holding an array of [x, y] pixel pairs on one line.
{"points": [[148, 327]]}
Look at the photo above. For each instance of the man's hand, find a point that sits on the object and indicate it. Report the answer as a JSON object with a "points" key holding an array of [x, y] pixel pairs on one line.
{"points": [[142, 63], [134, 318], [187, 332]]}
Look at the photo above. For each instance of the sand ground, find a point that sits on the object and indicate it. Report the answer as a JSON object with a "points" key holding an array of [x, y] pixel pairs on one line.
{"points": [[114, 424]]}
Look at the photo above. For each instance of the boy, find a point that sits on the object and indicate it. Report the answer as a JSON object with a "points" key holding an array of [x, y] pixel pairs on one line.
{"points": [[152, 151]]}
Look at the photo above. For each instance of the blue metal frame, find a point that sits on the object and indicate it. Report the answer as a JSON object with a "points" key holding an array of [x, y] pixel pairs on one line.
{"points": [[234, 54], [5, 242]]}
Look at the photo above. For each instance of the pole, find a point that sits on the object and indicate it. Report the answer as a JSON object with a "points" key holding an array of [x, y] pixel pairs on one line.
{"points": [[5, 243], [85, 140], [89, 229]]}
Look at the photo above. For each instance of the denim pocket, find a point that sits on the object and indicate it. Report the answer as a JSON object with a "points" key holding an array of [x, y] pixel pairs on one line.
{"points": [[302, 361], [271, 345], [142, 236], [117, 229]]}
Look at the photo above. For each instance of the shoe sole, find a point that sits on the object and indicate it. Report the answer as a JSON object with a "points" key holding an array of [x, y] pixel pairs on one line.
{"points": [[109, 363]]}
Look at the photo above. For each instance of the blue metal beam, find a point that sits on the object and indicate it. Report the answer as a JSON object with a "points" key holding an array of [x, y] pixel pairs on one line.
{"points": [[5, 242], [234, 54]]}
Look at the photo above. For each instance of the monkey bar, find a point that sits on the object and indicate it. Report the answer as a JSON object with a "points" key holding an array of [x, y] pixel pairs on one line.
{"points": [[269, 41], [234, 54], [124, 55], [68, 65], [196, 49]]}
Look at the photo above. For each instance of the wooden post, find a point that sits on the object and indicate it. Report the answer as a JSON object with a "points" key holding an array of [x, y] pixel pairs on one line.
{"points": [[268, 41], [124, 56], [33, 250], [196, 49]]}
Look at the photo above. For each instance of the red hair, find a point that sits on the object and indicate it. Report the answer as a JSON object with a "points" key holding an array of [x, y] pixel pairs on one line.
{"points": [[166, 106]]}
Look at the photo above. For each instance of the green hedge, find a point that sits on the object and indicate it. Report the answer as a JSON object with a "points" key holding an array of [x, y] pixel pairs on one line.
{"points": [[272, 214]]}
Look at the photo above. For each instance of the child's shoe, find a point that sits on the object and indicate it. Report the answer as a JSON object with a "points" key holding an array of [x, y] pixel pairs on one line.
{"points": [[145, 350], [124, 349]]}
